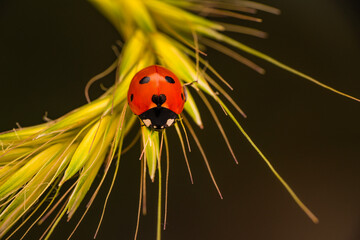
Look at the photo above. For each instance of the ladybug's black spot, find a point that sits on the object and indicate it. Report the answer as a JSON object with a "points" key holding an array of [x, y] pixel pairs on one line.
{"points": [[182, 96], [131, 97], [158, 99], [169, 79], [144, 80]]}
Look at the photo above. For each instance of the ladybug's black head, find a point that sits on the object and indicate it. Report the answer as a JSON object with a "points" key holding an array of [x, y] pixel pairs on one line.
{"points": [[158, 117]]}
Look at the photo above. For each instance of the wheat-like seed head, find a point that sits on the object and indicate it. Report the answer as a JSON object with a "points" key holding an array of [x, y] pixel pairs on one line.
{"points": [[35, 162]]}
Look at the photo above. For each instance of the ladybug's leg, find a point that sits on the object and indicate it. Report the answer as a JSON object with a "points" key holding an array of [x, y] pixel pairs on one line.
{"points": [[185, 92], [190, 83]]}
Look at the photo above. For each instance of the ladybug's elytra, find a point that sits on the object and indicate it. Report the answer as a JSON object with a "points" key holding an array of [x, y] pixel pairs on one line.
{"points": [[156, 96]]}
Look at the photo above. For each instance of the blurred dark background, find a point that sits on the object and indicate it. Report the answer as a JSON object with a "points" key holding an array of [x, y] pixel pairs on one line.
{"points": [[50, 49]]}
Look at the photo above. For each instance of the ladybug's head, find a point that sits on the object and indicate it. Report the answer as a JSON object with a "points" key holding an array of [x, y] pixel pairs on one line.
{"points": [[158, 117], [156, 96]]}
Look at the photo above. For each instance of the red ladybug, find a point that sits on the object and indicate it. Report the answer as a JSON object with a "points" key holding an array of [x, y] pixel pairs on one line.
{"points": [[156, 96]]}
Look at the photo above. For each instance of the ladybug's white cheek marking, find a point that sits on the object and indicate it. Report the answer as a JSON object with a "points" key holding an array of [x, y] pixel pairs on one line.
{"points": [[169, 122], [147, 122]]}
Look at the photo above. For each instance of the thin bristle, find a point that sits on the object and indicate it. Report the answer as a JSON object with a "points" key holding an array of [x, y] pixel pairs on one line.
{"points": [[46, 197], [277, 175], [184, 152], [99, 76], [225, 94], [196, 43], [32, 152], [113, 147], [221, 48], [110, 154], [144, 148], [180, 38], [281, 65], [186, 136], [54, 223], [208, 66], [260, 6], [244, 30], [48, 213], [77, 224], [195, 6], [226, 13], [158, 227], [96, 132], [203, 154], [167, 179], [144, 209], [233, 7], [217, 121], [132, 143], [140, 199]]}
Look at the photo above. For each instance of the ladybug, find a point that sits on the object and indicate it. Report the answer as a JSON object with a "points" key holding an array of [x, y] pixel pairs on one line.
{"points": [[156, 96]]}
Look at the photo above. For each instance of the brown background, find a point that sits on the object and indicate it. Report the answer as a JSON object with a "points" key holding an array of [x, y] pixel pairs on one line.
{"points": [[50, 49]]}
